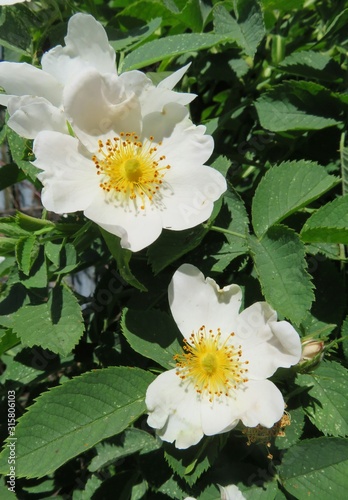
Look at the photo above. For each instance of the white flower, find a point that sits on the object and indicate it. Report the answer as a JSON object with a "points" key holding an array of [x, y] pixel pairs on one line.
{"points": [[221, 376], [34, 96], [131, 174]]}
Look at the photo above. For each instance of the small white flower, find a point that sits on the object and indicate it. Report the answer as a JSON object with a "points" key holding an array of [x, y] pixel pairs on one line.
{"points": [[34, 97], [221, 376], [131, 174]]}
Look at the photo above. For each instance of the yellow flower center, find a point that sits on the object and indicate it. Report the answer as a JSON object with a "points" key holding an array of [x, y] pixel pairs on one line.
{"points": [[214, 367], [129, 168]]}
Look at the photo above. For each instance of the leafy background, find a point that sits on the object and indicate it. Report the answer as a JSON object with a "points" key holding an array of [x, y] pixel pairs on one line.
{"points": [[271, 84]]}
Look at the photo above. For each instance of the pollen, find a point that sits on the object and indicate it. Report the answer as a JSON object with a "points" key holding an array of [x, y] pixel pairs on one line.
{"points": [[215, 367], [131, 169]]}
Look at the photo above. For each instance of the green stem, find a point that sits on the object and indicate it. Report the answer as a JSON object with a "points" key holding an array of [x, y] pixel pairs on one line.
{"points": [[227, 231]]}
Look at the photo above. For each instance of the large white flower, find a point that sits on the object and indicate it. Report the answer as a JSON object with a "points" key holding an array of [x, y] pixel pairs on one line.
{"points": [[34, 96], [221, 375], [131, 174]]}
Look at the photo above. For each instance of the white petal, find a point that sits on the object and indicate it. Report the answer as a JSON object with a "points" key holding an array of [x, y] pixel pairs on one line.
{"points": [[174, 78], [195, 301], [231, 492], [218, 416], [161, 125], [30, 115], [189, 196], [86, 45], [23, 79], [259, 402], [174, 410], [69, 177], [266, 343], [111, 109], [136, 228], [187, 145]]}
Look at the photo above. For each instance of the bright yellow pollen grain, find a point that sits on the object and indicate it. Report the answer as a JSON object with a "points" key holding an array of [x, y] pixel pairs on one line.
{"points": [[129, 168], [214, 367]]}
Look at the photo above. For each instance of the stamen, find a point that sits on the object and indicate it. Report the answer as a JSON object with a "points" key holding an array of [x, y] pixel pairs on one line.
{"points": [[130, 169], [212, 365]]}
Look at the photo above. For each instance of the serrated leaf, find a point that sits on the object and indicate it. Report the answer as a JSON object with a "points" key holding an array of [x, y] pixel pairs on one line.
{"points": [[27, 250], [329, 387], [130, 442], [192, 463], [280, 264], [133, 36], [311, 64], [329, 224], [298, 106], [14, 30], [171, 245], [174, 45], [56, 325], [9, 227], [122, 257], [20, 151], [344, 167], [247, 31], [8, 339], [71, 418], [152, 334], [317, 467], [286, 188]]}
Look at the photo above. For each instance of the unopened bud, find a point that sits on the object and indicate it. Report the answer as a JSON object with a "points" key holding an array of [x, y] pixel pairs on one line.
{"points": [[312, 354]]}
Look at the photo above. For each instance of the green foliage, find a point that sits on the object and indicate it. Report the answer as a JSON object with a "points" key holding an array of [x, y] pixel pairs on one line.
{"points": [[281, 267], [73, 417], [307, 468], [285, 189], [85, 324], [329, 224], [328, 405]]}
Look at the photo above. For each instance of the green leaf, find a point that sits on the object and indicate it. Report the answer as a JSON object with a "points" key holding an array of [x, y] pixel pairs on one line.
{"points": [[280, 264], [329, 387], [298, 106], [27, 250], [329, 224], [133, 36], [191, 463], [9, 175], [247, 31], [14, 30], [286, 188], [130, 442], [310, 64], [7, 245], [174, 45], [72, 418], [344, 165], [122, 257], [20, 151], [8, 339], [152, 334], [316, 467], [9, 227], [171, 245], [56, 325]]}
